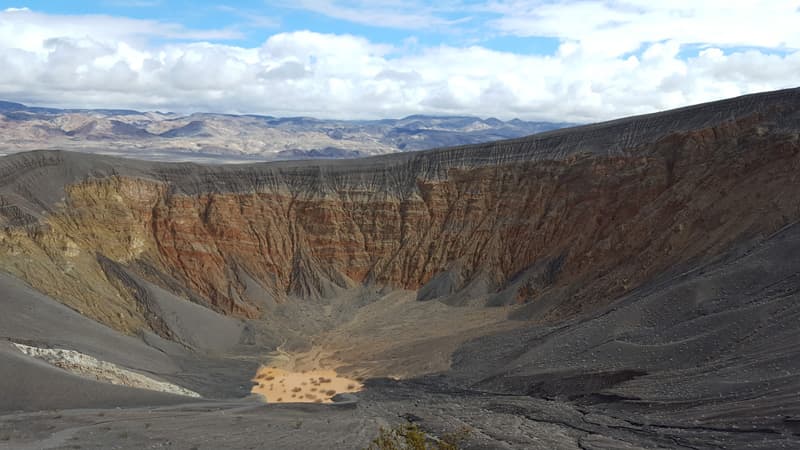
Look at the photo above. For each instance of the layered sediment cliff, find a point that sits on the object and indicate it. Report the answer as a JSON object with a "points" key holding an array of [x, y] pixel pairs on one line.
{"points": [[563, 221]]}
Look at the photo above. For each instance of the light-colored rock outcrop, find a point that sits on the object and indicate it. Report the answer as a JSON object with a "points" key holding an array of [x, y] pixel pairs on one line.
{"points": [[103, 371]]}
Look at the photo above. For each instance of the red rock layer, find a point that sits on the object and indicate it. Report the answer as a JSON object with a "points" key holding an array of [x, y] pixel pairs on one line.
{"points": [[600, 225]]}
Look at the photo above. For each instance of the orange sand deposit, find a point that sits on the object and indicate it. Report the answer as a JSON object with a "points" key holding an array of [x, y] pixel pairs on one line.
{"points": [[311, 386]]}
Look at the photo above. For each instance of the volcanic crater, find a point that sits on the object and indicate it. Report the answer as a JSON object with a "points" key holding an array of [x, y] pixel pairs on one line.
{"points": [[628, 284]]}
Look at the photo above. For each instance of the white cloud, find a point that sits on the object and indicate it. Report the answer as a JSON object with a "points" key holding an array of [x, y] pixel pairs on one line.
{"points": [[101, 61], [407, 14], [251, 18], [28, 30], [617, 27]]}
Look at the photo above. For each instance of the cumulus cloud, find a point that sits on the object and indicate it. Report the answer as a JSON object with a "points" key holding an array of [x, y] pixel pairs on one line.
{"points": [[609, 68]]}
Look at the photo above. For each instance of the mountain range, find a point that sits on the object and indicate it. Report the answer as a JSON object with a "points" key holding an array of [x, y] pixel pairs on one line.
{"points": [[206, 137]]}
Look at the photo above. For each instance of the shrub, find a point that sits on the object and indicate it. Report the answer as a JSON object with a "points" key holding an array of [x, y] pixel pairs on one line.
{"points": [[411, 437]]}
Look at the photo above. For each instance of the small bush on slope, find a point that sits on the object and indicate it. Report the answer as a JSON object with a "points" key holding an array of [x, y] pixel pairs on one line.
{"points": [[411, 437]]}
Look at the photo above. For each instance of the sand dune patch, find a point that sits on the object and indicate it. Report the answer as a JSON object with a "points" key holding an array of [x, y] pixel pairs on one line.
{"points": [[306, 386]]}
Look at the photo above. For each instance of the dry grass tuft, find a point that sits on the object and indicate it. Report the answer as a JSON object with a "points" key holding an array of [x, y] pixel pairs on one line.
{"points": [[411, 437]]}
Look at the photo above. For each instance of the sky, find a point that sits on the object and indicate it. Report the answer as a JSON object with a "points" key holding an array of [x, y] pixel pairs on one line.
{"points": [[553, 60]]}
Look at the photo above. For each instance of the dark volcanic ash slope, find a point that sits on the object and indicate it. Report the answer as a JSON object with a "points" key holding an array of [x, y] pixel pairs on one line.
{"points": [[648, 263], [701, 357]]}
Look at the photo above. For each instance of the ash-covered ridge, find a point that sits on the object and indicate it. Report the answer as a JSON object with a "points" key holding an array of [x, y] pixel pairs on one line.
{"points": [[774, 111]]}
